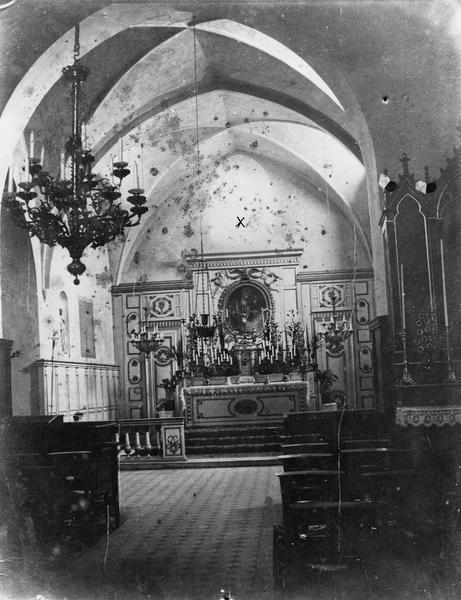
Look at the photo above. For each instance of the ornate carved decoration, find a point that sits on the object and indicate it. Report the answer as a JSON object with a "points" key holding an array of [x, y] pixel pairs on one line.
{"points": [[152, 286], [223, 279], [232, 260], [162, 306], [340, 275], [327, 292], [242, 388], [163, 356], [422, 416], [245, 406], [173, 444]]}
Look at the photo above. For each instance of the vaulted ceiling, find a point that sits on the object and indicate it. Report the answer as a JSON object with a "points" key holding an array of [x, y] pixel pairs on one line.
{"points": [[329, 91]]}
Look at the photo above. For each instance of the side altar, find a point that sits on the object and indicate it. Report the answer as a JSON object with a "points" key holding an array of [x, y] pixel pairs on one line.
{"points": [[244, 403]]}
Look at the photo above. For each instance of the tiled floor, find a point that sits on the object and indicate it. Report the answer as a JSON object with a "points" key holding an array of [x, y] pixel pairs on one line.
{"points": [[186, 534]]}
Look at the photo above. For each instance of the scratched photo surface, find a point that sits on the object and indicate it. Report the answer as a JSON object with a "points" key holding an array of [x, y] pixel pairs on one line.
{"points": [[230, 299]]}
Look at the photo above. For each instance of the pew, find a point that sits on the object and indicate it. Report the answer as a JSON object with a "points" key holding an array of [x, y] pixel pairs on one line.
{"points": [[339, 489], [62, 479]]}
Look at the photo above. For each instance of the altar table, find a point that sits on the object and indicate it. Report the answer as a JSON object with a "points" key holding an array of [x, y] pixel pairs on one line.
{"points": [[245, 403]]}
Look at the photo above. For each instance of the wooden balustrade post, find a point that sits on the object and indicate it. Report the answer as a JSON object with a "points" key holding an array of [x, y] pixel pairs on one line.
{"points": [[137, 443], [157, 434], [148, 446], [127, 447]]}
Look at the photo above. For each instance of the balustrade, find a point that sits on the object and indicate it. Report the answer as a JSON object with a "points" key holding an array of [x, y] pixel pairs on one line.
{"points": [[151, 437]]}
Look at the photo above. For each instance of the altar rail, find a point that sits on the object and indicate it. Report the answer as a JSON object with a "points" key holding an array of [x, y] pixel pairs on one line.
{"points": [[151, 437]]}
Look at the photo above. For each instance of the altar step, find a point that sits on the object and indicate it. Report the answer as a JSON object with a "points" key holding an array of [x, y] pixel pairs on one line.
{"points": [[217, 441]]}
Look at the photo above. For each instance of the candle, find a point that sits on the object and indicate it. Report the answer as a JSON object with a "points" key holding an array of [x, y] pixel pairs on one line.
{"points": [[84, 135], [137, 174], [142, 166], [444, 286], [314, 343], [403, 297], [42, 155], [121, 149], [31, 144], [10, 180]]}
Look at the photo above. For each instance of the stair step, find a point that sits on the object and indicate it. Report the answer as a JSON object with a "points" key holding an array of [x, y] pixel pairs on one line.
{"points": [[247, 439], [231, 440], [235, 448], [230, 432]]}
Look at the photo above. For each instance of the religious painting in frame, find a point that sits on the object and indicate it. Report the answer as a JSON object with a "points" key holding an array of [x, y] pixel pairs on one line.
{"points": [[245, 308]]}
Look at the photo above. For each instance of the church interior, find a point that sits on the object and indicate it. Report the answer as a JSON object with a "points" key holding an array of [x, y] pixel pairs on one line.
{"points": [[229, 272]]}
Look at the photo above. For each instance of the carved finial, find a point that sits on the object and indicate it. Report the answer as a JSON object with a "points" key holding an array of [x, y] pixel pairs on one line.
{"points": [[405, 160]]}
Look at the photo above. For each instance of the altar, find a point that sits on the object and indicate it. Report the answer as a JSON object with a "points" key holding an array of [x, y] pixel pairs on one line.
{"points": [[244, 403]]}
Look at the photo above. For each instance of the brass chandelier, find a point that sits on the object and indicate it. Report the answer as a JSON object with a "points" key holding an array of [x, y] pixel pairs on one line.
{"points": [[333, 332], [82, 210], [144, 340]]}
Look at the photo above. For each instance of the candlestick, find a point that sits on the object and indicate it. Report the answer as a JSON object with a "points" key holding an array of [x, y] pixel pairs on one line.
{"points": [[121, 149], [137, 174], [444, 287], [402, 291], [31, 145], [42, 155], [406, 378]]}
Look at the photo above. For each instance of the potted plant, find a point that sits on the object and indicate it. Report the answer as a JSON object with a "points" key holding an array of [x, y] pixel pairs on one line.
{"points": [[325, 379], [167, 406]]}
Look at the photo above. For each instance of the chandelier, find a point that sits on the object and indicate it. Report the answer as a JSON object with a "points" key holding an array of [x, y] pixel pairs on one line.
{"points": [[203, 327], [335, 332], [81, 210], [148, 338]]}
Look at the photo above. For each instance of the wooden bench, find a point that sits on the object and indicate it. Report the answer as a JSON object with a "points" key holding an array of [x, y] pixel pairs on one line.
{"points": [[303, 438], [307, 460], [349, 444], [303, 448], [374, 459]]}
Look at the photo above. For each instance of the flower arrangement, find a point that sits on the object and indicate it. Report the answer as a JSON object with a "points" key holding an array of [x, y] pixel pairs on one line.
{"points": [[169, 385]]}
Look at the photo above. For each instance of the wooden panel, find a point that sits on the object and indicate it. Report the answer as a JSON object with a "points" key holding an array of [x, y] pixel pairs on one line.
{"points": [[132, 301], [67, 388]]}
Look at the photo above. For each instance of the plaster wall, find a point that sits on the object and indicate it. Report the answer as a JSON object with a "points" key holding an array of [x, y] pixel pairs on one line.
{"points": [[95, 288], [19, 309], [279, 211]]}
